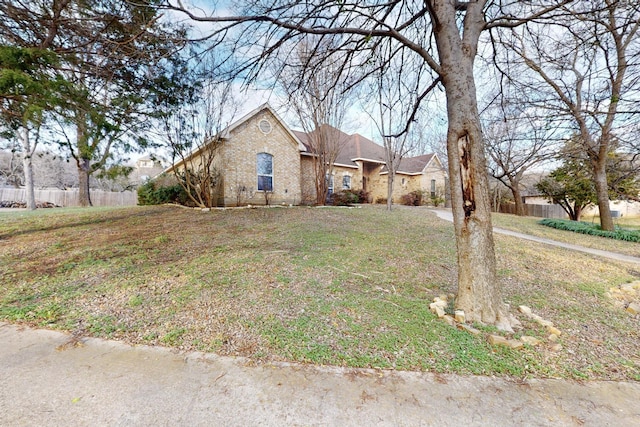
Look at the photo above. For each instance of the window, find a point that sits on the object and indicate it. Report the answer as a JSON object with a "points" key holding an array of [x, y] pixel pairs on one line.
{"points": [[346, 182], [433, 188], [265, 126], [265, 172]]}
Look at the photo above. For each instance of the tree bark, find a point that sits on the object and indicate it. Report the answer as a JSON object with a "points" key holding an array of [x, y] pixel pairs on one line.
{"points": [[84, 195], [390, 179], [517, 196], [602, 191], [27, 165], [478, 292]]}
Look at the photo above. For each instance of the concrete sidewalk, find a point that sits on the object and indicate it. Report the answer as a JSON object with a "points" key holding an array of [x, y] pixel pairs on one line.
{"points": [[48, 379], [447, 216]]}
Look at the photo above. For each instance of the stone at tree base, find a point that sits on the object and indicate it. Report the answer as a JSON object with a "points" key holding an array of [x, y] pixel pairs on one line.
{"points": [[633, 308], [468, 328], [437, 310], [498, 340], [554, 331], [525, 310], [450, 320], [439, 302], [515, 344], [556, 347], [533, 341], [541, 321], [459, 316]]}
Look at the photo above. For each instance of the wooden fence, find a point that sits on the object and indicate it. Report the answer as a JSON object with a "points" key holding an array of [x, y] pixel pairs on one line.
{"points": [[540, 211], [69, 198]]}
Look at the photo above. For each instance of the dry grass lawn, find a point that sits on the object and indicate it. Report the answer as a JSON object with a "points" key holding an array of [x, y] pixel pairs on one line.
{"points": [[314, 285]]}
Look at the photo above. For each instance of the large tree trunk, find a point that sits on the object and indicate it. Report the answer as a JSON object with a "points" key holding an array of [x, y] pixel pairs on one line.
{"points": [[517, 197], [478, 291], [577, 213], [27, 166], [602, 191], [84, 195]]}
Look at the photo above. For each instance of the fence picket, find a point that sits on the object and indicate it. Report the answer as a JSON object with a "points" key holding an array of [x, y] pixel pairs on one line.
{"points": [[67, 198]]}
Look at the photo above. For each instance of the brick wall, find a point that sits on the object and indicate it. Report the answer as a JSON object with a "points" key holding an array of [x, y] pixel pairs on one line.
{"points": [[239, 162]]}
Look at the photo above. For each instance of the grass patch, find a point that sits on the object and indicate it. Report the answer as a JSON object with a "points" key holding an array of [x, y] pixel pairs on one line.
{"points": [[347, 287], [531, 225], [592, 229]]}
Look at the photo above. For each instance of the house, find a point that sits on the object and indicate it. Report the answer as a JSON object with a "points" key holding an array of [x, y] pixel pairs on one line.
{"points": [[146, 168], [260, 159]]}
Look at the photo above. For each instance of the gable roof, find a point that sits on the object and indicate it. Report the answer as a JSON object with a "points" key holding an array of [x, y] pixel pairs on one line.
{"points": [[354, 147], [357, 147], [413, 165], [226, 132]]}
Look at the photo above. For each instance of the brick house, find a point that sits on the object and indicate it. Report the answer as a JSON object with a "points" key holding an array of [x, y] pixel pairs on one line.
{"points": [[260, 155]]}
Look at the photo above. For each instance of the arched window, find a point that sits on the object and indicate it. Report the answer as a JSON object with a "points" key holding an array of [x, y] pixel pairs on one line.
{"points": [[265, 172]]}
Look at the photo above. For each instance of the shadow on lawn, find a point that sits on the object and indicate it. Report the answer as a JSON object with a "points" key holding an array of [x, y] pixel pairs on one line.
{"points": [[88, 221]]}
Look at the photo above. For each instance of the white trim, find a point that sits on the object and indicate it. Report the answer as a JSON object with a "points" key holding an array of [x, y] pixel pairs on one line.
{"points": [[382, 162], [403, 173], [346, 166]]}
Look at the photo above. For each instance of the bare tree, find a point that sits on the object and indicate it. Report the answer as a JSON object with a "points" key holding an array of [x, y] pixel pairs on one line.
{"points": [[11, 167], [393, 100], [194, 135], [585, 68], [516, 141], [444, 35], [319, 101]]}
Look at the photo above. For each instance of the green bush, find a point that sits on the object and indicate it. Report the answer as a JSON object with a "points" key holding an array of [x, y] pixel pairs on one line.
{"points": [[153, 194], [591, 229], [437, 200]]}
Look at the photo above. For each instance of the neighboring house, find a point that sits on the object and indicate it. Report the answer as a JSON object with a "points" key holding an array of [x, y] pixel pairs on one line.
{"points": [[259, 154], [146, 168]]}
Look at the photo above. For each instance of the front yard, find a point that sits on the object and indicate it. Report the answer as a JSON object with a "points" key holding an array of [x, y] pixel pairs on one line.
{"points": [[334, 286]]}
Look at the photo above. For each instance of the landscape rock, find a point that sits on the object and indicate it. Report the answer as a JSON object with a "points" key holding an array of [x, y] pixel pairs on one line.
{"points": [[13, 204], [459, 316], [542, 322], [468, 328], [439, 302], [633, 308], [498, 340], [554, 331], [450, 320], [556, 347], [515, 344], [553, 338], [532, 341], [525, 310], [438, 310], [627, 287]]}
